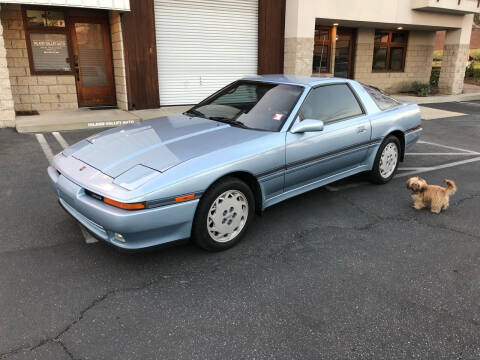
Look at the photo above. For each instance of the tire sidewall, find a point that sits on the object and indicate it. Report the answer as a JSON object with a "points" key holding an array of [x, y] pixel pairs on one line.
{"points": [[375, 175], [199, 229]]}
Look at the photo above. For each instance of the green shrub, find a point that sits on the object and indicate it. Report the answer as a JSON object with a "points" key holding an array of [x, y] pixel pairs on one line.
{"points": [[476, 73], [421, 89], [438, 55], [475, 54], [470, 70], [434, 77]]}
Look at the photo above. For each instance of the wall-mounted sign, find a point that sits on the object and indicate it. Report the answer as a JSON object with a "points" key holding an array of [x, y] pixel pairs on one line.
{"points": [[49, 52]]}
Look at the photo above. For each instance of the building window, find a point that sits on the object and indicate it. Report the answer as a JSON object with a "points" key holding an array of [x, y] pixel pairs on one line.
{"points": [[390, 50], [47, 44], [322, 49]]}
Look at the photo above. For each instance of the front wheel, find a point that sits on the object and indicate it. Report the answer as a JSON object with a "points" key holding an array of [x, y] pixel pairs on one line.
{"points": [[223, 215], [386, 161]]}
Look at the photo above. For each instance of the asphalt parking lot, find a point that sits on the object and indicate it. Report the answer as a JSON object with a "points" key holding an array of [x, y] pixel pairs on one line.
{"points": [[348, 271]]}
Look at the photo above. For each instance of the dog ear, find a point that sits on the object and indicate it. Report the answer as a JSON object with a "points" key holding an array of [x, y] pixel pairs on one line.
{"points": [[423, 186], [408, 184]]}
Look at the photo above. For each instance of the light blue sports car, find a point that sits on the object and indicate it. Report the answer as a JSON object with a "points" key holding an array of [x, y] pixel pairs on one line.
{"points": [[204, 174]]}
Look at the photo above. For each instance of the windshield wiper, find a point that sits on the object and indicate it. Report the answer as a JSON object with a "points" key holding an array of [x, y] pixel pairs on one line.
{"points": [[229, 122], [195, 113]]}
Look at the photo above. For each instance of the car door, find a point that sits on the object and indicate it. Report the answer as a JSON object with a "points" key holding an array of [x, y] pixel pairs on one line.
{"points": [[340, 146]]}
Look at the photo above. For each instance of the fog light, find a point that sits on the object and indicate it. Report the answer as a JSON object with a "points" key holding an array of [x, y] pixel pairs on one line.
{"points": [[119, 237]]}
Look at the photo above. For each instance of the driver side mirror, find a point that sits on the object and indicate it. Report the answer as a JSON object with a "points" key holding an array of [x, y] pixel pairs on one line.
{"points": [[307, 125]]}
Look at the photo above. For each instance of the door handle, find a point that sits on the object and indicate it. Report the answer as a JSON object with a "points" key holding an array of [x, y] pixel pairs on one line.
{"points": [[361, 129]]}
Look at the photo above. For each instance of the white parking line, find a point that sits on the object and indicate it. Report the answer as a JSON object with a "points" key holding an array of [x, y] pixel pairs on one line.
{"points": [[89, 239], [446, 146], [407, 171], [413, 168], [468, 102], [45, 147], [442, 154], [444, 166], [60, 139]]}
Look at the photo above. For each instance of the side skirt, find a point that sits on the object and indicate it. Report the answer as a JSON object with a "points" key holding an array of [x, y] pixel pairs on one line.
{"points": [[316, 184]]}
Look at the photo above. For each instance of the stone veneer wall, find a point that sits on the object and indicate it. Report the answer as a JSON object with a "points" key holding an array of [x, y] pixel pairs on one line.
{"points": [[452, 73], [298, 56], [118, 60], [43, 92], [418, 61], [7, 113]]}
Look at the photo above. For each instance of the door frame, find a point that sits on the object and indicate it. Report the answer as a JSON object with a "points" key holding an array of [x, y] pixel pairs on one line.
{"points": [[92, 17]]}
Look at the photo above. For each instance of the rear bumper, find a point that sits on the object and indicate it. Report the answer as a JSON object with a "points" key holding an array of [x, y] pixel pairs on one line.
{"points": [[140, 229], [412, 137]]}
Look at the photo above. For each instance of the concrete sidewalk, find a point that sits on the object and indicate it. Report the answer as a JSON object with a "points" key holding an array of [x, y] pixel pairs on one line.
{"points": [[86, 118], [470, 92]]}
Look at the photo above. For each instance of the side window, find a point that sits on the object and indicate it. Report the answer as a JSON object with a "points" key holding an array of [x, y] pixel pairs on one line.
{"points": [[383, 101], [331, 103]]}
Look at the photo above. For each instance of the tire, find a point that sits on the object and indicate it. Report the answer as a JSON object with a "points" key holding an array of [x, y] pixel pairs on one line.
{"points": [[223, 215], [382, 174]]}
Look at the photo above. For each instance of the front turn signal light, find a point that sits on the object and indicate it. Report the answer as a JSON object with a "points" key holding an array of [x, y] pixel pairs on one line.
{"points": [[184, 198], [125, 206]]}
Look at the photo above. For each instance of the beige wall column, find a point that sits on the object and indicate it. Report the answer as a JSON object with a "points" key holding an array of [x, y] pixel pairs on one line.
{"points": [[118, 60], [363, 54], [299, 36], [7, 113], [454, 60]]}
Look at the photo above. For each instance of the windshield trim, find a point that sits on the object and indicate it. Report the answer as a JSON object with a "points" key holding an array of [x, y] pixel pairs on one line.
{"points": [[233, 84]]}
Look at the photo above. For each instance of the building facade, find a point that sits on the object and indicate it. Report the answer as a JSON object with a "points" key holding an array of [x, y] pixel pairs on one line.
{"points": [[140, 54], [388, 44]]}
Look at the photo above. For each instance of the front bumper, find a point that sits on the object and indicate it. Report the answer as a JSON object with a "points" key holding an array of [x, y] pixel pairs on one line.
{"points": [[139, 228]]}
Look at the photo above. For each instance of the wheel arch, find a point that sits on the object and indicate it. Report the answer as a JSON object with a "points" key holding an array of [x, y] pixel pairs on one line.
{"points": [[251, 181], [401, 137]]}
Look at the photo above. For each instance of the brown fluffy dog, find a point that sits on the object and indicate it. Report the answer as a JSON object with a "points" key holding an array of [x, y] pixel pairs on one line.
{"points": [[435, 196]]}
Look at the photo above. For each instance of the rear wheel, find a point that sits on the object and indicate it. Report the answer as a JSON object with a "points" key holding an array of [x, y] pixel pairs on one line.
{"points": [[386, 161], [223, 215]]}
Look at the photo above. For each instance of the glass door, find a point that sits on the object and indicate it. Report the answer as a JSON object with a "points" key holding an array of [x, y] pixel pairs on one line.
{"points": [[92, 62], [344, 52]]}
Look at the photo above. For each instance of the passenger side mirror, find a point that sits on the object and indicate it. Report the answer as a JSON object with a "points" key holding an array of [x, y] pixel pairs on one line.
{"points": [[307, 125]]}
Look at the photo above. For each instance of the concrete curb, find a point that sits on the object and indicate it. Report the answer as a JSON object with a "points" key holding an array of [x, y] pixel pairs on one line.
{"points": [[79, 119], [437, 98]]}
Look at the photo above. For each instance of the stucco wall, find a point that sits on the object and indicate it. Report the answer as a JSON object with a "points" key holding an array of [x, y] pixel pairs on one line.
{"points": [[45, 92], [301, 15], [418, 61]]}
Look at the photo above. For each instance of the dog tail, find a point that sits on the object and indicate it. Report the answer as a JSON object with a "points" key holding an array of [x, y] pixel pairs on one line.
{"points": [[451, 186]]}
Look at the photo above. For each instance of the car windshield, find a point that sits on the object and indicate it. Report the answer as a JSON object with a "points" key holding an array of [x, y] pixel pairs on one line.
{"points": [[252, 105]]}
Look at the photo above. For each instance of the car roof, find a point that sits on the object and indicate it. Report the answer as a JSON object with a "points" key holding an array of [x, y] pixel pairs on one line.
{"points": [[296, 79]]}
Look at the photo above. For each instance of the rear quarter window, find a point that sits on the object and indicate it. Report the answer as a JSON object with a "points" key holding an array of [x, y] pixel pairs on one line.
{"points": [[383, 101]]}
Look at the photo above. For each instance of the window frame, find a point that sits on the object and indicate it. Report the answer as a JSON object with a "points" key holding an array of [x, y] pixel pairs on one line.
{"points": [[388, 46], [46, 30], [357, 97], [327, 43]]}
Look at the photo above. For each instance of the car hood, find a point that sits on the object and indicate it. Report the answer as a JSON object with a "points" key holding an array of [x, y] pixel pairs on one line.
{"points": [[158, 143]]}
